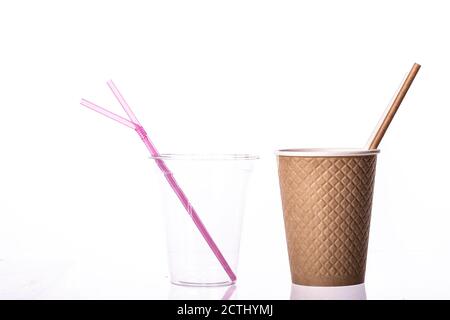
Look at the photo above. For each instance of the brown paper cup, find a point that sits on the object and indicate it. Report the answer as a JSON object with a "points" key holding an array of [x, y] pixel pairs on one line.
{"points": [[327, 201]]}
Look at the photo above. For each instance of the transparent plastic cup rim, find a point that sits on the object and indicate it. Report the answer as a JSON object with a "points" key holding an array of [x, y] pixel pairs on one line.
{"points": [[206, 156], [326, 152]]}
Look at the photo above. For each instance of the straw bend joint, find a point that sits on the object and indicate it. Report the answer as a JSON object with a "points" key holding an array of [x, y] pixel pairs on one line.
{"points": [[141, 132]]}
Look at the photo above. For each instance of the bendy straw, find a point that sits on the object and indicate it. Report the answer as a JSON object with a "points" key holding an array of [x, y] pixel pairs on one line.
{"points": [[389, 115], [135, 124]]}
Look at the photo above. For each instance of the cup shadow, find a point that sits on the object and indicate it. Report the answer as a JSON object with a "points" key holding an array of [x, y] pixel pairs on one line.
{"points": [[355, 292], [178, 292]]}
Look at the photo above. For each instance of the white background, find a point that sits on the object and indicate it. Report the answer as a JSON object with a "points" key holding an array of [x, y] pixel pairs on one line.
{"points": [[80, 216]]}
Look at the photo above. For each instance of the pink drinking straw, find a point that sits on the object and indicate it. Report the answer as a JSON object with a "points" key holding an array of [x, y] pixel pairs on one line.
{"points": [[135, 124]]}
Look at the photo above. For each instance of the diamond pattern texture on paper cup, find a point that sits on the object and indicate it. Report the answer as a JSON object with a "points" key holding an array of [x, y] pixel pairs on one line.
{"points": [[327, 205]]}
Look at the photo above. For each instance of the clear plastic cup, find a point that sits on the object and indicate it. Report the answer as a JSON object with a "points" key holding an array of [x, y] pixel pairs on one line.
{"points": [[215, 186]]}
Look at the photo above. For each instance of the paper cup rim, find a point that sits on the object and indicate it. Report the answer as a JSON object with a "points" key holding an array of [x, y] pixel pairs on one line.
{"points": [[326, 152]]}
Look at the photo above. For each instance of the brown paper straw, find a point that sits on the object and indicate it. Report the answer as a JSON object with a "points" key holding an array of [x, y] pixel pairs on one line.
{"points": [[384, 124]]}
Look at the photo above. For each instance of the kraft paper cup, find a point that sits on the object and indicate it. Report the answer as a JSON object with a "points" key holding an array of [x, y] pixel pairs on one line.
{"points": [[327, 201]]}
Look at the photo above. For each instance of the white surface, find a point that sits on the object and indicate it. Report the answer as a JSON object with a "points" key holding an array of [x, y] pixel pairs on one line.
{"points": [[79, 216], [355, 292]]}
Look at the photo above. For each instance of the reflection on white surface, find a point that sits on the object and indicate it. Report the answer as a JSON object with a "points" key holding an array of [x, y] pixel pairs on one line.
{"points": [[201, 293], [29, 279], [356, 292]]}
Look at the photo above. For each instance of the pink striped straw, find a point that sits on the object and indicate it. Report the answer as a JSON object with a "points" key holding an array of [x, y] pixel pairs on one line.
{"points": [[135, 124]]}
